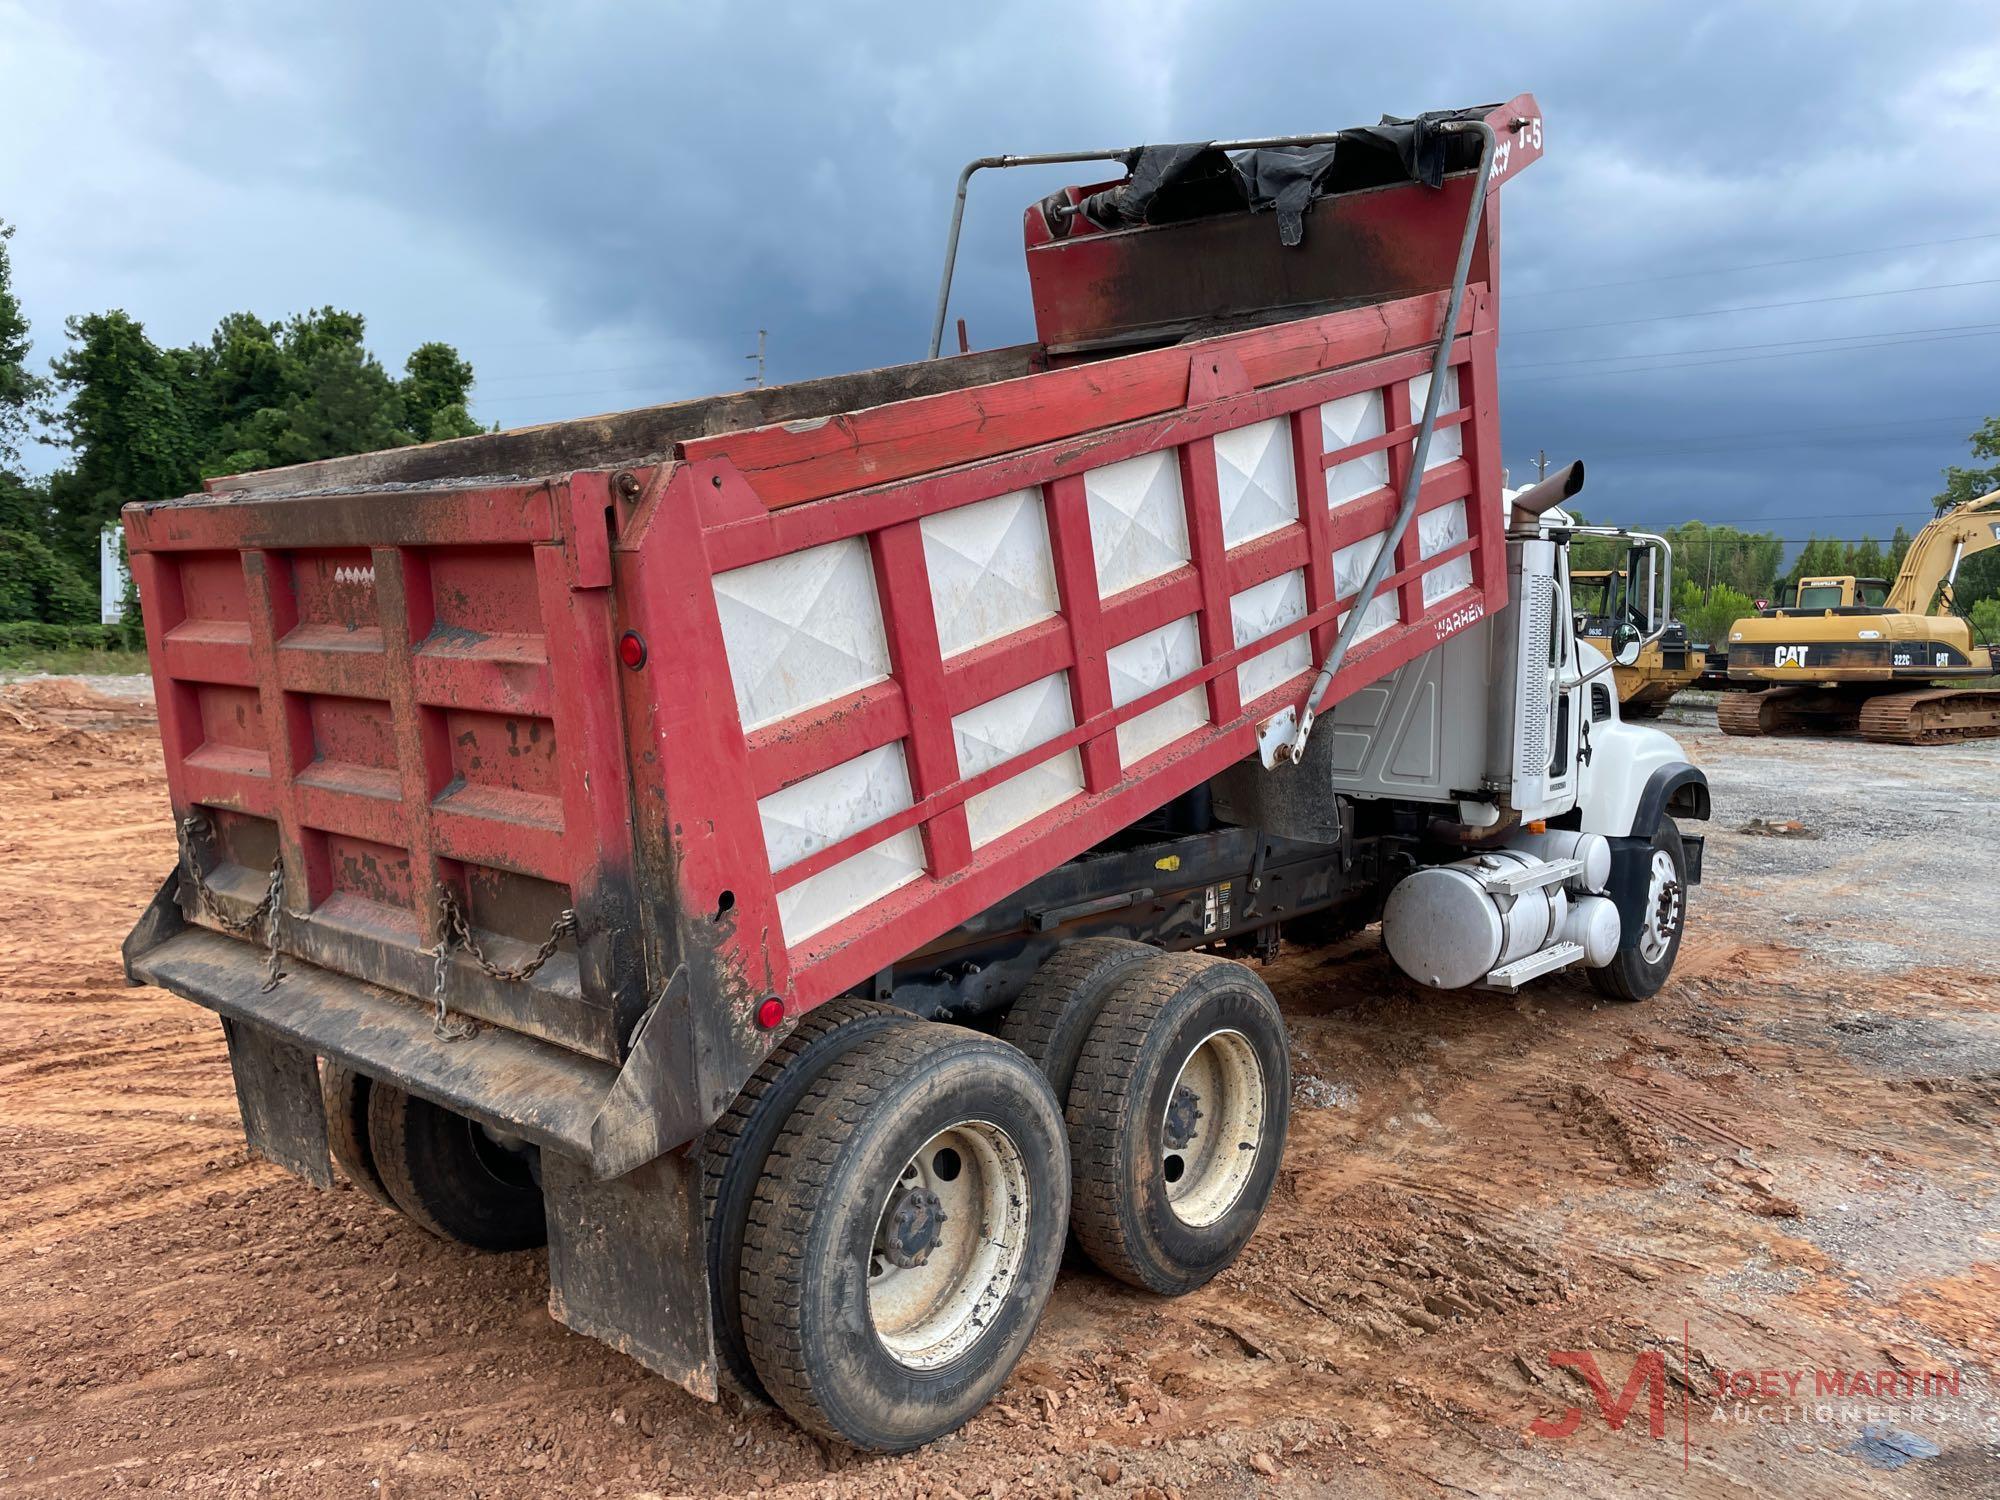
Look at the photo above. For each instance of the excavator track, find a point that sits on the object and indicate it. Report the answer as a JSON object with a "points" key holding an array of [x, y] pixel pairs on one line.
{"points": [[1786, 710], [1938, 716], [1741, 713], [1801, 709]]}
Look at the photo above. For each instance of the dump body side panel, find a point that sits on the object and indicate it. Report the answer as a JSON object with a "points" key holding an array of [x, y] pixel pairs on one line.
{"points": [[870, 710]]}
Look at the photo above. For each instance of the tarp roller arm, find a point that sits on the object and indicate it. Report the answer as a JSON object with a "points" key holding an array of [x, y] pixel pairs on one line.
{"points": [[1385, 558]]}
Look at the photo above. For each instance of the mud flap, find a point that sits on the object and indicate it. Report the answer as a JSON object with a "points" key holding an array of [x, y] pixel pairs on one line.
{"points": [[277, 1093], [628, 1262]]}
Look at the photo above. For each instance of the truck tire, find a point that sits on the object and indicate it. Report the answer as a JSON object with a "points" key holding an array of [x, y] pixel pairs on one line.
{"points": [[1641, 967], [345, 1094], [1054, 1013], [905, 1236], [1177, 1121], [737, 1146], [453, 1176]]}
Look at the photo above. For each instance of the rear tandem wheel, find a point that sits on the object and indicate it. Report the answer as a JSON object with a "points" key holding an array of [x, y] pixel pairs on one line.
{"points": [[455, 1177], [345, 1092], [1177, 1121], [738, 1146], [904, 1236], [1053, 1016]]}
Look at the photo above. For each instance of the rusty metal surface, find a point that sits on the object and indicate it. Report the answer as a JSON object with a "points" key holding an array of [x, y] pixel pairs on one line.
{"points": [[627, 1263], [547, 1094], [401, 721], [1173, 280], [646, 435], [277, 1093]]}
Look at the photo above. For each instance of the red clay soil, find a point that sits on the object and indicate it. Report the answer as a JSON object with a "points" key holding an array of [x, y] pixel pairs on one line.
{"points": [[1723, 1180]]}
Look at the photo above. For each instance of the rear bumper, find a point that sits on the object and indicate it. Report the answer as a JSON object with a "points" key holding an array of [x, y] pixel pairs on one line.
{"points": [[609, 1119], [512, 1082]]}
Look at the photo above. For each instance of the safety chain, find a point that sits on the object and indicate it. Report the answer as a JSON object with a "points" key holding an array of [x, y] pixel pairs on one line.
{"points": [[457, 932], [266, 911]]}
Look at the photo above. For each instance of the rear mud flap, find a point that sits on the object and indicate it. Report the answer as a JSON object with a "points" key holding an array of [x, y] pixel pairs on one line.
{"points": [[277, 1092], [628, 1263]]}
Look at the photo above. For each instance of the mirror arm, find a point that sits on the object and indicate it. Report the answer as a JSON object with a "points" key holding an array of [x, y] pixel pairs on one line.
{"points": [[1591, 676], [1666, 590]]}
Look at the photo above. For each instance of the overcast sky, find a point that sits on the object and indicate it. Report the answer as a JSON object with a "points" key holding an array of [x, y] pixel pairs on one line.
{"points": [[600, 203]]}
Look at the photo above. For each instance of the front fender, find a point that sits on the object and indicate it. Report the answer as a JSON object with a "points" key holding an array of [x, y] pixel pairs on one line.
{"points": [[1680, 791], [1638, 775]]}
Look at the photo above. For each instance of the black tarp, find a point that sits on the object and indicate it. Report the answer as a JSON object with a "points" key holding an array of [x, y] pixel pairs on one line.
{"points": [[1191, 180]]}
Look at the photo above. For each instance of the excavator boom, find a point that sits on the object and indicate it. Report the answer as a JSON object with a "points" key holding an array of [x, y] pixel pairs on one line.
{"points": [[1931, 565]]}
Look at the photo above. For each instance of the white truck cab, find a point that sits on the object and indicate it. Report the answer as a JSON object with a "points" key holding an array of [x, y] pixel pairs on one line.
{"points": [[1530, 828]]}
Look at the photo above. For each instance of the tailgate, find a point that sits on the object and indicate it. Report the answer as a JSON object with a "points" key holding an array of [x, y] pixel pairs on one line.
{"points": [[401, 704]]}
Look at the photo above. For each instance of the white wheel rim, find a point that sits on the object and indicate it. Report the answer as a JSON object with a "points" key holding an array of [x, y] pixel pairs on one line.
{"points": [[1212, 1127], [1663, 908], [930, 1311]]}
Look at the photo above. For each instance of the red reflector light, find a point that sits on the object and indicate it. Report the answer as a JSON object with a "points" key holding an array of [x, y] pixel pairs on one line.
{"points": [[632, 650], [770, 1013]]}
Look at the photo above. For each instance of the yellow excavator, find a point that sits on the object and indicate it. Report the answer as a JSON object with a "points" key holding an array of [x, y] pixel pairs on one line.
{"points": [[1601, 599], [1862, 654]]}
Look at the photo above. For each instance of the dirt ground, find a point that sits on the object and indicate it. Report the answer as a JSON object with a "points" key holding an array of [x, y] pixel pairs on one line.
{"points": [[1781, 1172]]}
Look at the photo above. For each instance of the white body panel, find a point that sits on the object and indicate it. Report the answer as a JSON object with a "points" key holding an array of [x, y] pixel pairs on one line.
{"points": [[112, 576], [1623, 759], [801, 630], [1004, 727], [992, 572], [809, 815]]}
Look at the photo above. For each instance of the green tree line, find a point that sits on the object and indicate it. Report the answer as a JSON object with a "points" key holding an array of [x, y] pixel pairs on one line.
{"points": [[142, 421]]}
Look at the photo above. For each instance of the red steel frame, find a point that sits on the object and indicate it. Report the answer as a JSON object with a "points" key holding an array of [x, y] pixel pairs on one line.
{"points": [[657, 756]]}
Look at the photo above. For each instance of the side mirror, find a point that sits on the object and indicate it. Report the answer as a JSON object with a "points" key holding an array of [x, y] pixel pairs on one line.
{"points": [[1626, 645]]}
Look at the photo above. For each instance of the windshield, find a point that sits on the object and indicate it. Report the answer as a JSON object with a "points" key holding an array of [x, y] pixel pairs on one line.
{"points": [[1874, 592], [1820, 596], [1588, 596]]}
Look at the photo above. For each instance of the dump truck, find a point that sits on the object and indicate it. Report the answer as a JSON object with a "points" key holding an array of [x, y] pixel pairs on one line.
{"points": [[798, 853], [1604, 600], [1898, 662]]}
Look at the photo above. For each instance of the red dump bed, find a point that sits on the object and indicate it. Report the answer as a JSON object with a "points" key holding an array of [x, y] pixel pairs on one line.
{"points": [[899, 645]]}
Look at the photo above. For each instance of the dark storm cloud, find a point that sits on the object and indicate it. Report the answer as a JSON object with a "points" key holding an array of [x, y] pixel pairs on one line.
{"points": [[602, 203]]}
